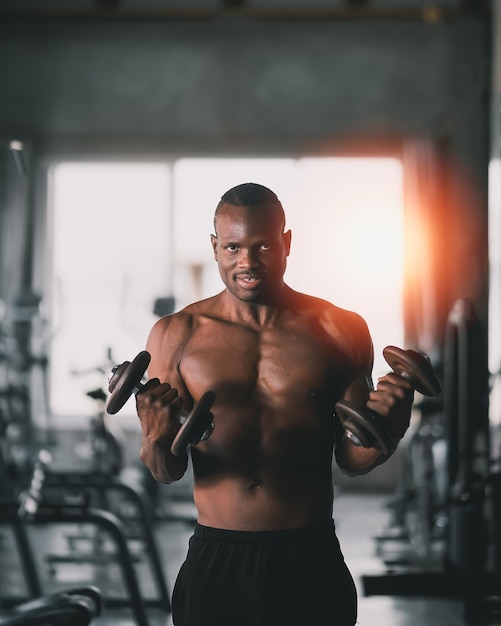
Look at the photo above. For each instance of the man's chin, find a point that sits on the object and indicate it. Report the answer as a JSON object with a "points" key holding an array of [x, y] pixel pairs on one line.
{"points": [[248, 295]]}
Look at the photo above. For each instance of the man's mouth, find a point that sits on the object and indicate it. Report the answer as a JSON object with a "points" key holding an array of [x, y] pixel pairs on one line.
{"points": [[249, 281]]}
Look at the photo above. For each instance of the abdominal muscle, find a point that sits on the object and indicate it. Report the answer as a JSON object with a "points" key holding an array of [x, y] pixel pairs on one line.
{"points": [[278, 499], [237, 505]]}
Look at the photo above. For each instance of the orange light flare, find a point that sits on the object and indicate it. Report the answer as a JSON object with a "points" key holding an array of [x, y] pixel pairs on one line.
{"points": [[445, 254]]}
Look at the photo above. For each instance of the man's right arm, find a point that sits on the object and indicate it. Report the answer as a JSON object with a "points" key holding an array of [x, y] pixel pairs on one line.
{"points": [[160, 401]]}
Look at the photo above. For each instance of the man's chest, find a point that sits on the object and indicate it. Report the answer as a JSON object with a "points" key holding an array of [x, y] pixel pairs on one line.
{"points": [[244, 363]]}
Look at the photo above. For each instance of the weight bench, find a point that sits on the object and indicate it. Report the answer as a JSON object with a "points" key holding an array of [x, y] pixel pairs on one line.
{"points": [[75, 606], [79, 513]]}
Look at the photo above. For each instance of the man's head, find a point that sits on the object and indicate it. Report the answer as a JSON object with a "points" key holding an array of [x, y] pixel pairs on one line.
{"points": [[250, 195], [250, 245]]}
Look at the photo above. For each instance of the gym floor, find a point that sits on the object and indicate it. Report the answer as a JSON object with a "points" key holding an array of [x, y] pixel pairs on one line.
{"points": [[359, 518]]}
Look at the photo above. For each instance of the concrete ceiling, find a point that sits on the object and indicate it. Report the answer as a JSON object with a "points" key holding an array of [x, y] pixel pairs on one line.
{"points": [[436, 10]]}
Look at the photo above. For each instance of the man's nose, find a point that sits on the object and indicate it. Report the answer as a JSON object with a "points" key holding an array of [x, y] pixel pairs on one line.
{"points": [[247, 258]]}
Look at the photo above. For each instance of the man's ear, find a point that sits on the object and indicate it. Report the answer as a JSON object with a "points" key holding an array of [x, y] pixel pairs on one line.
{"points": [[213, 240], [287, 242]]}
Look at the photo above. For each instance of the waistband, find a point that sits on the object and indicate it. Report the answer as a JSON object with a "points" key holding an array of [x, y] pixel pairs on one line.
{"points": [[293, 535]]}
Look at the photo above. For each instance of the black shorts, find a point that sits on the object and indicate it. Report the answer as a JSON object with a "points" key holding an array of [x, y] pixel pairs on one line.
{"points": [[292, 577]]}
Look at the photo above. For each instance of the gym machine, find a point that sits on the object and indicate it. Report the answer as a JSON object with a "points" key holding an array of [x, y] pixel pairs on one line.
{"points": [[32, 507], [72, 606], [72, 484], [469, 565], [31, 494], [105, 445]]}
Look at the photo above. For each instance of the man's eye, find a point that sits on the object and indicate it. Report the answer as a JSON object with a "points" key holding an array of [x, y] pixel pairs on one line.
{"points": [[266, 247], [232, 247]]}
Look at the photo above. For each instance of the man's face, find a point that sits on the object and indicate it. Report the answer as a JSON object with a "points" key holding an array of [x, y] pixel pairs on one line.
{"points": [[251, 251]]}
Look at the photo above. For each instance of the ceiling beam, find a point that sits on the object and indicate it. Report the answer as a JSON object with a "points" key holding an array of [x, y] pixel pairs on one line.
{"points": [[236, 9]]}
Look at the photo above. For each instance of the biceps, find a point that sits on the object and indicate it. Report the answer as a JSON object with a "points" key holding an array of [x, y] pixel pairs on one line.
{"points": [[358, 391]]}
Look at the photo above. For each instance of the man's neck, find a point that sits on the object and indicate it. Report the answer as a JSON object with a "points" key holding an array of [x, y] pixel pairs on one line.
{"points": [[257, 313]]}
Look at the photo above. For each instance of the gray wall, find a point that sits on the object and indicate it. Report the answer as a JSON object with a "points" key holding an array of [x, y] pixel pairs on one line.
{"points": [[242, 85]]}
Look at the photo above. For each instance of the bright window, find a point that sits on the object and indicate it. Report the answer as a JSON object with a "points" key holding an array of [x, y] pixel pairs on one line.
{"points": [[110, 259]]}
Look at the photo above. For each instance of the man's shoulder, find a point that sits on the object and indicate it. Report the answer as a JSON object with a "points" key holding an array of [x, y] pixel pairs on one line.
{"points": [[199, 311], [332, 313], [347, 329], [189, 316]]}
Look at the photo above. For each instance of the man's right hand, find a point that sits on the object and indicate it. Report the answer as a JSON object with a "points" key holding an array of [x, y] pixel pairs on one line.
{"points": [[158, 407]]}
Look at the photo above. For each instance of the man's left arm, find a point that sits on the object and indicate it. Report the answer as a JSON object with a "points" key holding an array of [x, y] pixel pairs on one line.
{"points": [[391, 400]]}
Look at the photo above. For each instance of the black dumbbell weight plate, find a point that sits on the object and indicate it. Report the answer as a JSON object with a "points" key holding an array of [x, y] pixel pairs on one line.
{"points": [[415, 366], [364, 426], [125, 380], [198, 422]]}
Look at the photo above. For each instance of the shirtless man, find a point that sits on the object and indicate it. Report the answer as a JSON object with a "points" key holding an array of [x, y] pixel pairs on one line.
{"points": [[264, 550]]}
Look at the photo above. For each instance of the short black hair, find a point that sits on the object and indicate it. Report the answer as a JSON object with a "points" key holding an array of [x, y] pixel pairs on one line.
{"points": [[249, 195]]}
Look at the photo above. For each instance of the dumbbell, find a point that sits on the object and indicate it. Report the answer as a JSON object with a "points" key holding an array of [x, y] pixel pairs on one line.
{"points": [[126, 380], [361, 425]]}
